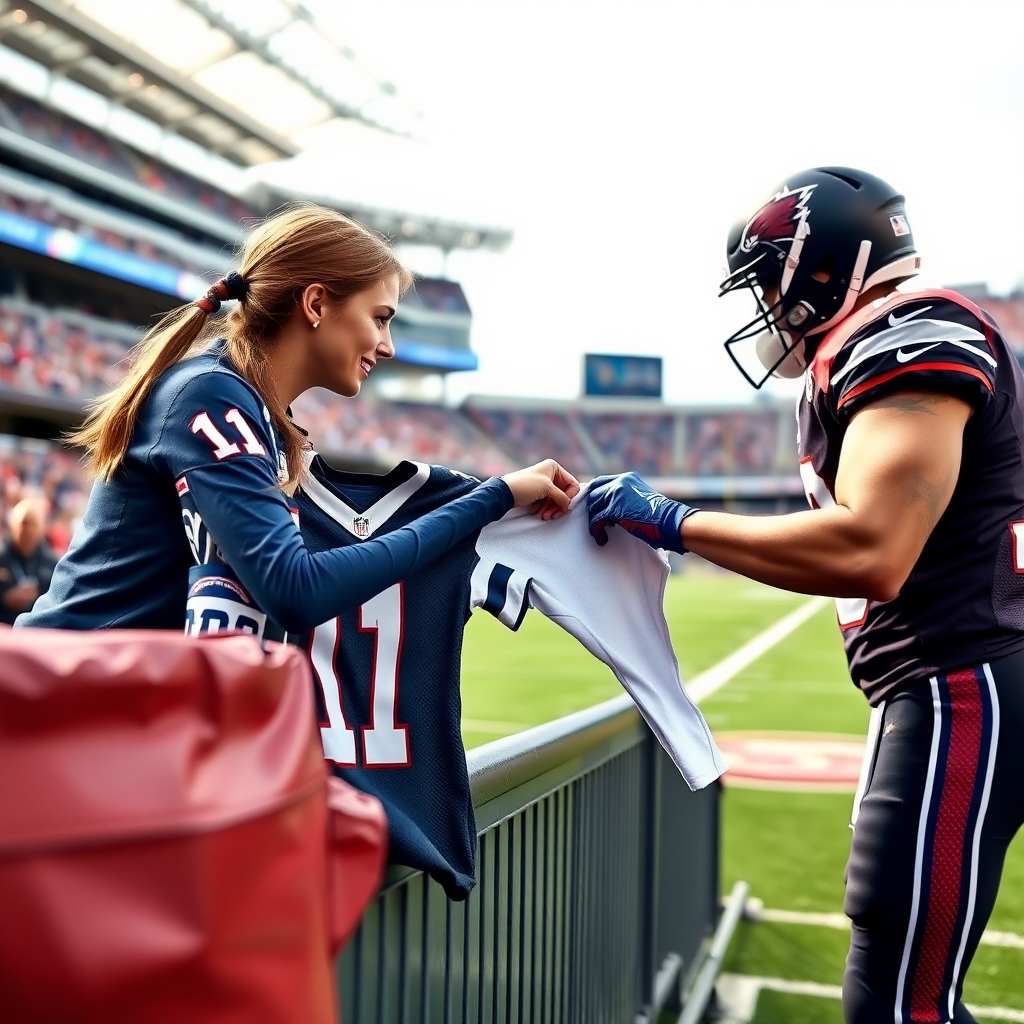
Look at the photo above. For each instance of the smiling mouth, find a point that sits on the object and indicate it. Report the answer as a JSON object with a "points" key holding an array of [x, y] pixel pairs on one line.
{"points": [[366, 366]]}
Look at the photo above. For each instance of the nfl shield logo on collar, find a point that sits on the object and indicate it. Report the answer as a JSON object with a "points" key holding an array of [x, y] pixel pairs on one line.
{"points": [[361, 526]]}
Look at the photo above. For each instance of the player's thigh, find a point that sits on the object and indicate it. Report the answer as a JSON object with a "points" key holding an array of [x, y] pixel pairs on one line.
{"points": [[880, 872]]}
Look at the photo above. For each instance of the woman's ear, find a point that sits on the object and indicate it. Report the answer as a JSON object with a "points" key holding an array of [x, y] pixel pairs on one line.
{"points": [[312, 303]]}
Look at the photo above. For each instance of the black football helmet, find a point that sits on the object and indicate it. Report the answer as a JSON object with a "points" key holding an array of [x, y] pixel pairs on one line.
{"points": [[826, 236]]}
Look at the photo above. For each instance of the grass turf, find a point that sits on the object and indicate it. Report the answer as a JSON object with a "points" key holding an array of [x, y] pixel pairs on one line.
{"points": [[790, 846]]}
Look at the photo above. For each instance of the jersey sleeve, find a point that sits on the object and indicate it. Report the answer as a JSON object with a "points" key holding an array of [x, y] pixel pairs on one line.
{"points": [[214, 419], [926, 344], [499, 589]]}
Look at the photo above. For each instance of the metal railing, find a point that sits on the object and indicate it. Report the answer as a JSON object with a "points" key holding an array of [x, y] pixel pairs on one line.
{"points": [[596, 895]]}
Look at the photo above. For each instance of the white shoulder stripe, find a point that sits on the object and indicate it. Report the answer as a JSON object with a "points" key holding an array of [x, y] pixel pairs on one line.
{"points": [[915, 332]]}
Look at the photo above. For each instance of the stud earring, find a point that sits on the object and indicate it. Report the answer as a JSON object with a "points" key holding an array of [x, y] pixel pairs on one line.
{"points": [[316, 325]]}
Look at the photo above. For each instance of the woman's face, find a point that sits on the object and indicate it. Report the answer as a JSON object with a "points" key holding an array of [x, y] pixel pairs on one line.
{"points": [[353, 335]]}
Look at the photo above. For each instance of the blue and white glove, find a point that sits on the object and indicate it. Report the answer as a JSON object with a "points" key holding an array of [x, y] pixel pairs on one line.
{"points": [[629, 502]]}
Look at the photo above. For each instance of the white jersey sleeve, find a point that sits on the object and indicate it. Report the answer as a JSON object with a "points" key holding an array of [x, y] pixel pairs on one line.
{"points": [[611, 599]]}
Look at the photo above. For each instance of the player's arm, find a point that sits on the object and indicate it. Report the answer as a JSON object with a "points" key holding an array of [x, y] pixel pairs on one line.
{"points": [[898, 467]]}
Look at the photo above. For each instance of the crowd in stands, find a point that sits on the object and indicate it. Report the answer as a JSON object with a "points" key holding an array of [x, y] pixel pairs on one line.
{"points": [[632, 441], [29, 117], [44, 352], [47, 213], [368, 430], [536, 434], [724, 444], [54, 476]]}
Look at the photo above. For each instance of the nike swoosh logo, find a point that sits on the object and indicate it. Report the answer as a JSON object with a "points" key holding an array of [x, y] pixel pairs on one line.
{"points": [[895, 320], [905, 357]]}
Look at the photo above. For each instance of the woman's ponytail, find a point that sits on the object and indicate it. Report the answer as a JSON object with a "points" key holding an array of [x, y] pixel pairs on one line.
{"points": [[107, 431]]}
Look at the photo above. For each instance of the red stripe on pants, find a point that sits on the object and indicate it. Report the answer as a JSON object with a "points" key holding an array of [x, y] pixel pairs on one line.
{"points": [[962, 763]]}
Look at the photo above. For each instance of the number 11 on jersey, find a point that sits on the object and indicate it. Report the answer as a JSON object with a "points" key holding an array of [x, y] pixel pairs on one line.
{"points": [[385, 743]]}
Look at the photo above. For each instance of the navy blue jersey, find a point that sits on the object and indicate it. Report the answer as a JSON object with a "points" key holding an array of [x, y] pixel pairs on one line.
{"points": [[203, 456], [387, 672], [963, 603]]}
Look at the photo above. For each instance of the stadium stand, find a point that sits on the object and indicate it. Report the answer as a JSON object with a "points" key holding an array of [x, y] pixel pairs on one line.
{"points": [[533, 434], [28, 117], [732, 443], [44, 205], [632, 441], [58, 352], [382, 433]]}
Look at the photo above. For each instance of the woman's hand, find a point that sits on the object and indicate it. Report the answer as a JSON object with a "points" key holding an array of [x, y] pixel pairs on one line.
{"points": [[546, 488]]}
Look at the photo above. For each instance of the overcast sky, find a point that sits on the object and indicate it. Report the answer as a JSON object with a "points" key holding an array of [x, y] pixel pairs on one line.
{"points": [[621, 140]]}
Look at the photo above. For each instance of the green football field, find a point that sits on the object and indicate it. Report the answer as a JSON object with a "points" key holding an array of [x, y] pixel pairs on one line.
{"points": [[790, 846]]}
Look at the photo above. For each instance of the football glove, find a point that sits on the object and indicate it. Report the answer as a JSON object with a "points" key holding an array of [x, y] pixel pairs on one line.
{"points": [[629, 502]]}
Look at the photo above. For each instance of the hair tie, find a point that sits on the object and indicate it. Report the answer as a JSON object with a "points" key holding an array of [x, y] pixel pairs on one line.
{"points": [[233, 286]]}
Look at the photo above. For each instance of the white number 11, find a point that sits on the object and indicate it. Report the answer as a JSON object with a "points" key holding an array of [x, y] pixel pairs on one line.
{"points": [[385, 742]]}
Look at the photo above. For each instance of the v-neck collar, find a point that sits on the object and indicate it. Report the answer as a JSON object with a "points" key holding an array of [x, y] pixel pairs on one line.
{"points": [[362, 519]]}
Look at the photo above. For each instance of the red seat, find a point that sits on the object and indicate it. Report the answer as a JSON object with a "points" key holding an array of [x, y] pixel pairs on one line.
{"points": [[171, 847]]}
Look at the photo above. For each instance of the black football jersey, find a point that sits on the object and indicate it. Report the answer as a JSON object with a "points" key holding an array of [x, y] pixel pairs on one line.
{"points": [[963, 603], [387, 673]]}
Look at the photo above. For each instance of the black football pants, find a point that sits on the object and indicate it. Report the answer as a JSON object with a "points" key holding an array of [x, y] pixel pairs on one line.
{"points": [[943, 800]]}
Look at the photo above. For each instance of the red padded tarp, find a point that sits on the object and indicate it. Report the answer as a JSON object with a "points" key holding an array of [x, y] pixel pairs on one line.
{"points": [[171, 847]]}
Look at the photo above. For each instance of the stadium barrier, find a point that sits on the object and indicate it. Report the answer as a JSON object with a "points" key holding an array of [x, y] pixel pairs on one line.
{"points": [[596, 897]]}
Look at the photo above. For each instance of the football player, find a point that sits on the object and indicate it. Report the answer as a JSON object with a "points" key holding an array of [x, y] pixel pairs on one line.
{"points": [[195, 455], [910, 443]]}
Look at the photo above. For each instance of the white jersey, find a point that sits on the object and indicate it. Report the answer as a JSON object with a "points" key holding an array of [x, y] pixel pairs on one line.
{"points": [[611, 599]]}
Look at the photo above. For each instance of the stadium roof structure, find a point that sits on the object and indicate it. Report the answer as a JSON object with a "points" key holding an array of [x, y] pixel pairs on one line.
{"points": [[198, 67]]}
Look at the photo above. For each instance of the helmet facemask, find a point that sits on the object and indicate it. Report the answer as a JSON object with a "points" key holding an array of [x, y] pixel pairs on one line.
{"points": [[773, 343]]}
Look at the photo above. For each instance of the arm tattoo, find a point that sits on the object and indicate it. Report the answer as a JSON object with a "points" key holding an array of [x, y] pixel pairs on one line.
{"points": [[927, 498]]}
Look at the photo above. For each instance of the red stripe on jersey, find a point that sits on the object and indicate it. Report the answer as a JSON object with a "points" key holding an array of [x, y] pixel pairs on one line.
{"points": [[910, 368], [945, 888]]}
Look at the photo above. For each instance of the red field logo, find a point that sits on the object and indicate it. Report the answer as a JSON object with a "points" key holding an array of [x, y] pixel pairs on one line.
{"points": [[792, 760]]}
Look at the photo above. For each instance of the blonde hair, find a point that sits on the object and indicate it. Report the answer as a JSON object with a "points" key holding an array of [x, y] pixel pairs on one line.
{"points": [[302, 245]]}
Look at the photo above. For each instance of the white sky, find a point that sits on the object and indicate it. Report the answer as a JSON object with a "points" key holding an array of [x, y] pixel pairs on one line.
{"points": [[621, 140]]}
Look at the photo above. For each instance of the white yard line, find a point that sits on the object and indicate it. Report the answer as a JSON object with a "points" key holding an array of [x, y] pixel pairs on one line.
{"points": [[842, 923], [738, 993], [706, 683]]}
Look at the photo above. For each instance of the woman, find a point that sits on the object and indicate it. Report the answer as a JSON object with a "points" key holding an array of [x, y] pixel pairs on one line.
{"points": [[911, 427], [206, 420]]}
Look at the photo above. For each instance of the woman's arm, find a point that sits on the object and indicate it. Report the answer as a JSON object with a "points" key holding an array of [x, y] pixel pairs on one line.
{"points": [[213, 441], [899, 464]]}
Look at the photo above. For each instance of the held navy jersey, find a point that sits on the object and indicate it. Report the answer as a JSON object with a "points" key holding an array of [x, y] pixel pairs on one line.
{"points": [[963, 603], [388, 672]]}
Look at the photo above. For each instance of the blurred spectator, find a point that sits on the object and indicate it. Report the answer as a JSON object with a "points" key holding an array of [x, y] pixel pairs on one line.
{"points": [[48, 473], [26, 561], [628, 441], [538, 434]]}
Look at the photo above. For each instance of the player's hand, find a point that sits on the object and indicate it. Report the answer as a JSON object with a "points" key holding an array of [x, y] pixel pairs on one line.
{"points": [[547, 488], [629, 502]]}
